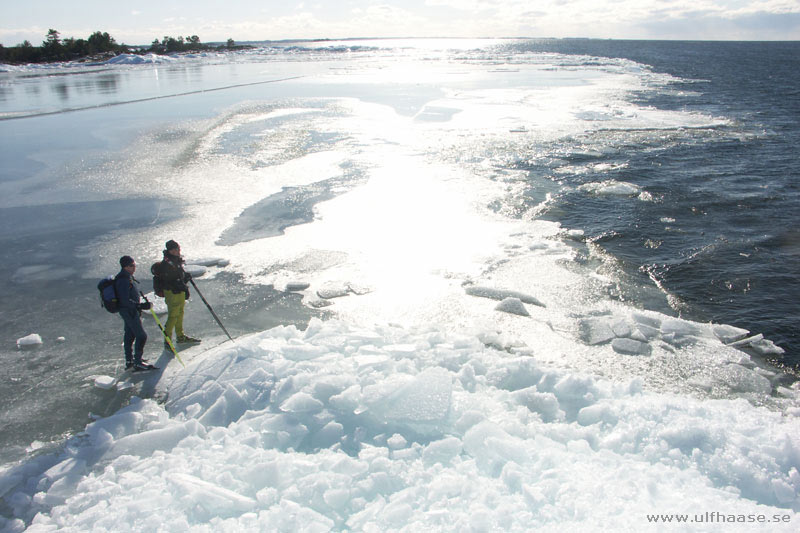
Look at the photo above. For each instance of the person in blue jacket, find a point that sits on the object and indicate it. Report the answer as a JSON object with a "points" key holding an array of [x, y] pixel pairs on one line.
{"points": [[130, 309]]}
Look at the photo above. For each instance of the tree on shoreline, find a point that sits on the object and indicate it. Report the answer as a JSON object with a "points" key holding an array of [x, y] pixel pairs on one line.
{"points": [[54, 48]]}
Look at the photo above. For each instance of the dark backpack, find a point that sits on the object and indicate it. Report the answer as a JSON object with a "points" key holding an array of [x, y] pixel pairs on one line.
{"points": [[108, 294], [157, 270]]}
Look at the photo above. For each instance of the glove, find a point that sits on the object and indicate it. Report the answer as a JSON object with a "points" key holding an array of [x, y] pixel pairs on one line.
{"points": [[145, 306], [187, 276]]}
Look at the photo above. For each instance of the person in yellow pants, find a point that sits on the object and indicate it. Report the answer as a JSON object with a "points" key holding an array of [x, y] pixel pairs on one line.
{"points": [[169, 281]]}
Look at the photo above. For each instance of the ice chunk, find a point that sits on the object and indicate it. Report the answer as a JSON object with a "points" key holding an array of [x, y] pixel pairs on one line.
{"points": [[646, 320], [211, 261], [682, 332], [728, 334], [758, 344], [333, 290], [741, 379], [145, 443], [425, 399], [195, 270], [359, 289], [104, 382], [611, 188], [302, 402], [747, 341], [211, 497], [329, 435], [643, 332], [513, 306], [766, 347], [575, 234], [30, 341], [598, 412], [502, 294], [680, 328], [596, 331], [544, 403], [227, 408], [630, 347], [442, 451], [493, 448], [396, 442], [294, 286]]}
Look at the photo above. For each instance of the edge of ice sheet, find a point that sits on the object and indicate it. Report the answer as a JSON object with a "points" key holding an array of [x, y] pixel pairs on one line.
{"points": [[374, 428]]}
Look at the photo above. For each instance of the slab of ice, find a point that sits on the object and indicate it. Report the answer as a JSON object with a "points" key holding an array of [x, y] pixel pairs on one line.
{"points": [[425, 399], [747, 341], [302, 403], [596, 330], [333, 290], [728, 334], [513, 306], [630, 346], [210, 261], [104, 382], [29, 341], [742, 379], [195, 270], [502, 294], [210, 496], [766, 347], [611, 188]]}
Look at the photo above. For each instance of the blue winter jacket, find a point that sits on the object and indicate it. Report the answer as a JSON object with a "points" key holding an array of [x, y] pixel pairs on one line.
{"points": [[127, 291]]}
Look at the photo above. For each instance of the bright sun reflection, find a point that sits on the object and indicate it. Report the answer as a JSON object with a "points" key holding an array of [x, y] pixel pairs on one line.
{"points": [[406, 227]]}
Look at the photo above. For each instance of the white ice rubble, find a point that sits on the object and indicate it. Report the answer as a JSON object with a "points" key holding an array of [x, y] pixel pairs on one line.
{"points": [[376, 428], [634, 333]]}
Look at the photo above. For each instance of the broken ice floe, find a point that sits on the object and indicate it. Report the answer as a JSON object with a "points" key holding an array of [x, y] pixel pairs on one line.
{"points": [[30, 341], [611, 188], [338, 289], [211, 261], [333, 290], [104, 382], [296, 286], [195, 270], [513, 306], [632, 335], [502, 294]]}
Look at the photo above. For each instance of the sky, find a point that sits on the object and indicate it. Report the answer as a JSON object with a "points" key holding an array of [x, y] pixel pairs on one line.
{"points": [[142, 21]]}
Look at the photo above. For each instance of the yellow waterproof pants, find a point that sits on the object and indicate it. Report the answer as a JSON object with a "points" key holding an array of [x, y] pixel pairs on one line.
{"points": [[176, 301]]}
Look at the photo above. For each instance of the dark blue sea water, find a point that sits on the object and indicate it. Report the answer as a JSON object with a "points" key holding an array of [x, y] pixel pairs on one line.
{"points": [[723, 234]]}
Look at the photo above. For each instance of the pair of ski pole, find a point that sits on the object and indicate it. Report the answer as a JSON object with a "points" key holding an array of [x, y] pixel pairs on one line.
{"points": [[164, 333]]}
